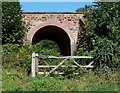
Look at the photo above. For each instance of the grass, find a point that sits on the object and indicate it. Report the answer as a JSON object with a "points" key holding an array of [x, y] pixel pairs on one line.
{"points": [[14, 80], [17, 63]]}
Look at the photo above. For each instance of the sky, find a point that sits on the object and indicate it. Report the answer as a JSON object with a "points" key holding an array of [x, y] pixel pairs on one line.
{"points": [[52, 6]]}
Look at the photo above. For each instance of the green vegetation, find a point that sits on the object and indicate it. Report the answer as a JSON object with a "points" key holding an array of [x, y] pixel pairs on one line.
{"points": [[101, 35], [16, 55], [17, 73], [12, 25], [15, 80]]}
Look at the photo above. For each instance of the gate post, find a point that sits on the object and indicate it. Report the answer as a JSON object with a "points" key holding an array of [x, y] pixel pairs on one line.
{"points": [[36, 64], [33, 65]]}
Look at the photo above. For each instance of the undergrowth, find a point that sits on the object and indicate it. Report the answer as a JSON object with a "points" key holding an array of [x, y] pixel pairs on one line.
{"points": [[16, 73], [14, 80]]}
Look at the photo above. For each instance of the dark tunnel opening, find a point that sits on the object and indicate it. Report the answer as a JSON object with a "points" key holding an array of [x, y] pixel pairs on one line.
{"points": [[55, 34]]}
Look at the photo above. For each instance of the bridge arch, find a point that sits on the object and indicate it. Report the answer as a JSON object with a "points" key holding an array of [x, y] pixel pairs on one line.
{"points": [[55, 32]]}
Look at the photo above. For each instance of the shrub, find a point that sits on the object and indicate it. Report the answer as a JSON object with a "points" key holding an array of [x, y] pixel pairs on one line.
{"points": [[9, 54], [46, 47], [107, 53], [16, 56], [102, 34]]}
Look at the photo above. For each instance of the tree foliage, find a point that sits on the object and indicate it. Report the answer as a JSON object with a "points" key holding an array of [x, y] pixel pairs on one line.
{"points": [[102, 31], [12, 25]]}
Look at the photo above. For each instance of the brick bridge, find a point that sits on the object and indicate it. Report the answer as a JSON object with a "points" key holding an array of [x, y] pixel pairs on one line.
{"points": [[62, 28]]}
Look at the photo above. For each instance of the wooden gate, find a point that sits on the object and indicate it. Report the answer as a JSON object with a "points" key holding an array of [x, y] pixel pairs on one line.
{"points": [[35, 65]]}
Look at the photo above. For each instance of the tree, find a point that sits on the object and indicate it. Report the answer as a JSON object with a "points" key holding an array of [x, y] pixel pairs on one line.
{"points": [[12, 25], [102, 29]]}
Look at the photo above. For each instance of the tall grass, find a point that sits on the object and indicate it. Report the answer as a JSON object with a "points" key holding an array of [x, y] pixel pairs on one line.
{"points": [[17, 72], [14, 80]]}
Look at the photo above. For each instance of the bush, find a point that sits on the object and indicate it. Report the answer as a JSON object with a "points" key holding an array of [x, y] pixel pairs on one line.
{"points": [[107, 53], [15, 56], [46, 47], [102, 34], [9, 54]]}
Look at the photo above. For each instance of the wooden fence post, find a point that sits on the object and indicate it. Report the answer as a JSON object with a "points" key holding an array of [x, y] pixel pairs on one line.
{"points": [[33, 65], [36, 64]]}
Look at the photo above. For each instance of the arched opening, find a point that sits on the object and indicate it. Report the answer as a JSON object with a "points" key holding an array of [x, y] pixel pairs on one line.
{"points": [[47, 47], [55, 34]]}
